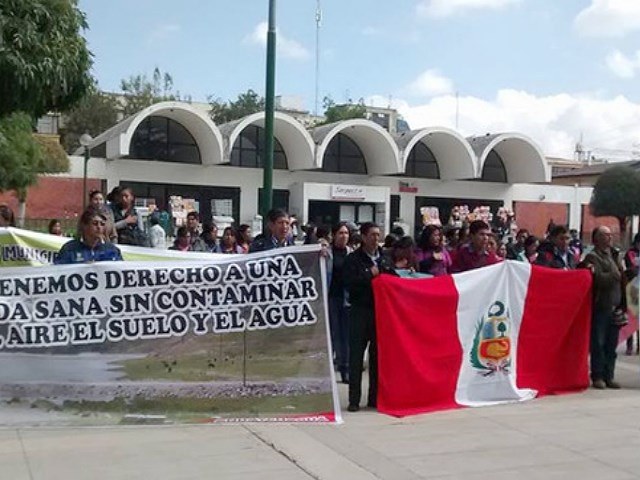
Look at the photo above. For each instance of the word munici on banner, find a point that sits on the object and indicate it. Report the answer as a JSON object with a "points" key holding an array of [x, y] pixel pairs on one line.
{"points": [[233, 338]]}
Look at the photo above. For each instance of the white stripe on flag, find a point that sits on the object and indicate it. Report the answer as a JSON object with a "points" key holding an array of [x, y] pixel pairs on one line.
{"points": [[490, 308]]}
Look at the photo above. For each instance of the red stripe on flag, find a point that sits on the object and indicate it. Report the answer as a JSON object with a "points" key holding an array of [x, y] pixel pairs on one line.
{"points": [[553, 345], [419, 354]]}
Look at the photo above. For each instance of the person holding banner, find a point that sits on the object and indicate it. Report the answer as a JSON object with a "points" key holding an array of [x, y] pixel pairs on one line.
{"points": [[96, 199], [92, 245], [609, 307], [360, 268], [277, 235]]}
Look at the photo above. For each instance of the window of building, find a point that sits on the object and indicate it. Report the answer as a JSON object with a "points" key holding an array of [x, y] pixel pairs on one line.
{"points": [[493, 170], [394, 207], [343, 156], [422, 163], [248, 150], [164, 139]]}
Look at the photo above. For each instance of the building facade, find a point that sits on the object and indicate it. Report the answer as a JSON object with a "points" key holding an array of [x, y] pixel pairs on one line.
{"points": [[352, 170]]}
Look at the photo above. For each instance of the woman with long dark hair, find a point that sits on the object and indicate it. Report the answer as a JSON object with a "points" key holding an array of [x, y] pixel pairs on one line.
{"points": [[229, 242], [338, 310], [244, 237], [432, 257]]}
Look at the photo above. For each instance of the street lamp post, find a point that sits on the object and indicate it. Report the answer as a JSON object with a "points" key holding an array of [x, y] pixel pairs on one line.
{"points": [[267, 189], [85, 141]]}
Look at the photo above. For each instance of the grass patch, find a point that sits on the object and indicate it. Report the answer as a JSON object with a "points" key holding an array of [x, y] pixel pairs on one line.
{"points": [[202, 367], [186, 408]]}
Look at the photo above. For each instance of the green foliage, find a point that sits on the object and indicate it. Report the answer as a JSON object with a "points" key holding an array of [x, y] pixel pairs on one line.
{"points": [[21, 156], [335, 113], [617, 194], [247, 103], [140, 92], [97, 112], [44, 60]]}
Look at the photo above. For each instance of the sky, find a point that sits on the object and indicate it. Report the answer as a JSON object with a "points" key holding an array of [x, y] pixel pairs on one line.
{"points": [[559, 71]]}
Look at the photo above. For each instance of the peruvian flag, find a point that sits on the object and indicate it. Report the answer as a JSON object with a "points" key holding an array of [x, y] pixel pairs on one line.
{"points": [[503, 333]]}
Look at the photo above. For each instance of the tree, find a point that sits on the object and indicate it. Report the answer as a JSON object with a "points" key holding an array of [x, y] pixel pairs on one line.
{"points": [[95, 113], [140, 92], [617, 194], [247, 103], [44, 60], [335, 113], [23, 157]]}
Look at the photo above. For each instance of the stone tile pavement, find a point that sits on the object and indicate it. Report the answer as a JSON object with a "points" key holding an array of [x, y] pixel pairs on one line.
{"points": [[592, 435]]}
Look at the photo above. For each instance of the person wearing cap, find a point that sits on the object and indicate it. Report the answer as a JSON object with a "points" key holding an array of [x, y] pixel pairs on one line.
{"points": [[92, 244]]}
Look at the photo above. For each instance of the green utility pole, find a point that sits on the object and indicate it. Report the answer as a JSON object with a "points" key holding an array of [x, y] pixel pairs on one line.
{"points": [[267, 182]]}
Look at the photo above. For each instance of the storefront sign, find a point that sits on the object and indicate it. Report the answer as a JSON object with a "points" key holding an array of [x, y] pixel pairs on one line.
{"points": [[407, 187], [352, 192]]}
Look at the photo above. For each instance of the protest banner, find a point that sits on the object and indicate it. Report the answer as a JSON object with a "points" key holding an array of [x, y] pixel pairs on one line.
{"points": [[226, 338], [503, 333], [20, 247]]}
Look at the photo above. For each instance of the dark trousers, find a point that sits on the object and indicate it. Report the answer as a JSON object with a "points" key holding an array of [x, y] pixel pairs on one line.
{"points": [[339, 323], [604, 340], [362, 332]]}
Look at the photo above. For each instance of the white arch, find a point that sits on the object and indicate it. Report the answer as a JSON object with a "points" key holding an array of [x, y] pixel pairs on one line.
{"points": [[198, 124], [295, 140], [522, 157], [456, 160], [380, 151]]}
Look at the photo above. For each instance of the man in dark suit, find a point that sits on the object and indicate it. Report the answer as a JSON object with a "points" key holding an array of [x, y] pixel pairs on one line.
{"points": [[360, 268]]}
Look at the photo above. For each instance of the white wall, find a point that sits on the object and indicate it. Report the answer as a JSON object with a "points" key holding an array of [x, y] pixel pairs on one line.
{"points": [[250, 179]]}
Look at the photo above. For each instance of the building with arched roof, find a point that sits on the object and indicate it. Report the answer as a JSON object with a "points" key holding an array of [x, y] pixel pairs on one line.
{"points": [[510, 157], [351, 170]]}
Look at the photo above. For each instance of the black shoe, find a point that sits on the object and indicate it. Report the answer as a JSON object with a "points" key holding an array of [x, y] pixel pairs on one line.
{"points": [[599, 384], [344, 377], [612, 384], [372, 404], [353, 408]]}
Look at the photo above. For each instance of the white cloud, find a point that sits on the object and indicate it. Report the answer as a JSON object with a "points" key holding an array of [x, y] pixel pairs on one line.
{"points": [[609, 18], [431, 83], [621, 65], [556, 122], [285, 46], [446, 8]]}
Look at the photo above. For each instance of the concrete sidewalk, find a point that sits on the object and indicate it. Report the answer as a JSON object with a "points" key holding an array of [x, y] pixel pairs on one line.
{"points": [[595, 434]]}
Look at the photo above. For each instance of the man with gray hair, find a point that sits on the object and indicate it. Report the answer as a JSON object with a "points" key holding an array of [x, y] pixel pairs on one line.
{"points": [[609, 307]]}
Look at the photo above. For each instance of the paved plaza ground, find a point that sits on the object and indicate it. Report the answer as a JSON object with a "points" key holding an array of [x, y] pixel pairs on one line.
{"points": [[592, 435]]}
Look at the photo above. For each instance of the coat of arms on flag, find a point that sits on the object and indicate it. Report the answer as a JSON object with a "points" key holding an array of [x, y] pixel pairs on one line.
{"points": [[491, 350]]}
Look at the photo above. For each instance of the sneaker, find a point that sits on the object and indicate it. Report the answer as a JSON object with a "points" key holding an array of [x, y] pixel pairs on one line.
{"points": [[353, 408], [613, 385], [599, 384]]}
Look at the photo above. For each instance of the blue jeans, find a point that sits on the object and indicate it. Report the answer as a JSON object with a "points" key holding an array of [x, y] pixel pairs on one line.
{"points": [[339, 325], [604, 340]]}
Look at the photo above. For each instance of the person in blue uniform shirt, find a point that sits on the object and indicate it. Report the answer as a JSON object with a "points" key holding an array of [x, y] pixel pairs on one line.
{"points": [[91, 244]]}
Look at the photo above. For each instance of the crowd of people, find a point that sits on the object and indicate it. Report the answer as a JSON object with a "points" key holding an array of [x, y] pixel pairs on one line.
{"points": [[356, 256]]}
